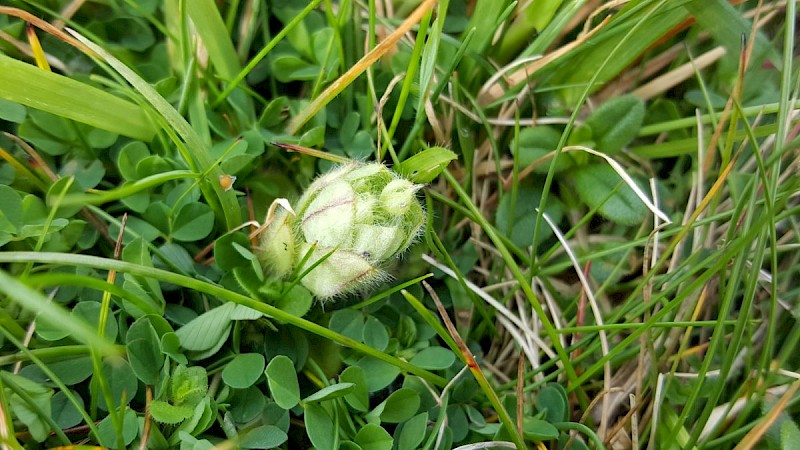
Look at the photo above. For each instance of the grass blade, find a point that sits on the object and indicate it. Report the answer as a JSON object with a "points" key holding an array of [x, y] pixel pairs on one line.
{"points": [[38, 304], [343, 81], [198, 153], [200, 286], [65, 97]]}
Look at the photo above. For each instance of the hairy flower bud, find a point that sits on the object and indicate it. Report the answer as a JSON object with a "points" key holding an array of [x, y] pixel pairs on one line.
{"points": [[348, 225]]}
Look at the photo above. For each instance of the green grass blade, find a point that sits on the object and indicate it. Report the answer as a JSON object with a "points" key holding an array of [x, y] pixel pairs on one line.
{"points": [[56, 380], [209, 25], [363, 64], [211, 289], [727, 26], [626, 37], [409, 79], [53, 279], [126, 190], [520, 277], [197, 153], [38, 304], [485, 19], [65, 97], [235, 80], [8, 382]]}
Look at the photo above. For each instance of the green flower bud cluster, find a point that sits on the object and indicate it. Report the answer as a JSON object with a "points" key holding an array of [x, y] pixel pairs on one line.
{"points": [[351, 222]]}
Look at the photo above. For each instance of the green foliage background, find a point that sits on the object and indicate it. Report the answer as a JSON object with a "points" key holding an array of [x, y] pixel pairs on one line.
{"points": [[609, 256]]}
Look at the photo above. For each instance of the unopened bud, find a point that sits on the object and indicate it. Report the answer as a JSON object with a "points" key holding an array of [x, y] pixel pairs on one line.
{"points": [[351, 223], [398, 196]]}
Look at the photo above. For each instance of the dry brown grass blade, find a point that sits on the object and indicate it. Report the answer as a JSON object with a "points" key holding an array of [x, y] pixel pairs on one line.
{"points": [[628, 80], [362, 65], [26, 50], [48, 172], [45, 26], [680, 74], [23, 170], [494, 88], [34, 155], [469, 359], [148, 422], [520, 393], [68, 11], [754, 436], [312, 152]]}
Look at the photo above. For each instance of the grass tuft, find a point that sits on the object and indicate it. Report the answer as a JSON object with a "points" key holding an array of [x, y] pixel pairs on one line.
{"points": [[610, 251]]}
